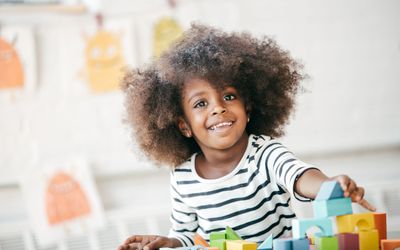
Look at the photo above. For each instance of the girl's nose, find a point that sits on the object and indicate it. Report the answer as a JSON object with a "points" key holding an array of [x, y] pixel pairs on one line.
{"points": [[219, 109]]}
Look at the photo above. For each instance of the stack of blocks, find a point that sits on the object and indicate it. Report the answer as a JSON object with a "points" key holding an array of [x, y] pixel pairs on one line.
{"points": [[363, 231]]}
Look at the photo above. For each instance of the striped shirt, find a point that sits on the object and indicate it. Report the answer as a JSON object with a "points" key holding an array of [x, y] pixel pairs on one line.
{"points": [[253, 199]]}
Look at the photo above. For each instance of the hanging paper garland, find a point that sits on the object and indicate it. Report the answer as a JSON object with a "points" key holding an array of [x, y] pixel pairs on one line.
{"points": [[104, 61], [166, 31], [65, 199], [11, 71]]}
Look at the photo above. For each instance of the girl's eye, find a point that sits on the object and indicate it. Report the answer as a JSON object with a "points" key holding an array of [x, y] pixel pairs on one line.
{"points": [[229, 97], [200, 104]]}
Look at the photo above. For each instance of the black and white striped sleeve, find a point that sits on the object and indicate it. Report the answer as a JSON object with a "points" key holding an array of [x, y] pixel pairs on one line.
{"points": [[287, 168], [183, 218]]}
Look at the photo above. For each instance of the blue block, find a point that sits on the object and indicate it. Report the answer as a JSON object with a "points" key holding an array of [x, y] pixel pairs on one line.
{"points": [[266, 245], [334, 207], [291, 244], [330, 190], [300, 226], [282, 244], [300, 244]]}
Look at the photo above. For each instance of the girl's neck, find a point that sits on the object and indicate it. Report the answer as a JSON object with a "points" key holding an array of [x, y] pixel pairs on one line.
{"points": [[214, 164]]}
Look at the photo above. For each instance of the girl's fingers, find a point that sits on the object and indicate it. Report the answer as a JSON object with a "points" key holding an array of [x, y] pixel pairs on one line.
{"points": [[357, 194], [134, 238], [155, 244], [364, 203], [351, 188], [344, 182], [130, 246]]}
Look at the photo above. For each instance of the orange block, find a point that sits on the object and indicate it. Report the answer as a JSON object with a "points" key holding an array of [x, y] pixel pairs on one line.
{"points": [[198, 240], [380, 225], [390, 244]]}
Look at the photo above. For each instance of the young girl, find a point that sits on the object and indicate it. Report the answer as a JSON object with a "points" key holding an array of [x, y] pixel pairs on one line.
{"points": [[210, 107]]}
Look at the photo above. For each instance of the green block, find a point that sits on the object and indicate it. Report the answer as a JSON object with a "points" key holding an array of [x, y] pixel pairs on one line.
{"points": [[232, 235], [218, 235], [221, 244], [327, 243]]}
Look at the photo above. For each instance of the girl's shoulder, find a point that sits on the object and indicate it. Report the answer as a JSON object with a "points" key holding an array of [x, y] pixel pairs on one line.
{"points": [[260, 144], [186, 166]]}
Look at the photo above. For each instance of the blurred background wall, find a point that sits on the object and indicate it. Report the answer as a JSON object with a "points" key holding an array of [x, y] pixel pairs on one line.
{"points": [[347, 119]]}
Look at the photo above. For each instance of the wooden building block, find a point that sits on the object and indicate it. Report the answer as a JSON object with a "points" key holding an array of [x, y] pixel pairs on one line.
{"points": [[348, 241], [231, 235], [221, 244], [390, 244], [380, 225], [291, 244], [330, 190], [327, 243], [300, 226], [240, 245], [267, 244], [311, 238], [300, 244], [313, 247], [217, 236], [282, 244], [333, 207], [369, 240], [198, 240], [351, 222]]}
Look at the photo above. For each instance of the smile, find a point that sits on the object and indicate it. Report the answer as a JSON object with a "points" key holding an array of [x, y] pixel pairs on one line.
{"points": [[221, 125]]}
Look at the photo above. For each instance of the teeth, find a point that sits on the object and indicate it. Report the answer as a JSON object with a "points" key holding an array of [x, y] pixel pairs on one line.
{"points": [[221, 125]]}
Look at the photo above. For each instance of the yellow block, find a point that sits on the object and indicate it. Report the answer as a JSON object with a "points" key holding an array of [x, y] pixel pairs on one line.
{"points": [[369, 240], [349, 223], [240, 245]]}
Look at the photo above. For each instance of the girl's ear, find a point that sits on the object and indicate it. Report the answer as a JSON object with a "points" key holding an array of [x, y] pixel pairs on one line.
{"points": [[248, 112], [184, 128]]}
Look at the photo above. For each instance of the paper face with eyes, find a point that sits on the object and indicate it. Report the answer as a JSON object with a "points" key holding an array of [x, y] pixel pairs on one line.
{"points": [[65, 198], [166, 31], [104, 61], [61, 200], [17, 59]]}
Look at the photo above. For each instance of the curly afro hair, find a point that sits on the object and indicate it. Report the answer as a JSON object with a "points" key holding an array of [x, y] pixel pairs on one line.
{"points": [[266, 77]]}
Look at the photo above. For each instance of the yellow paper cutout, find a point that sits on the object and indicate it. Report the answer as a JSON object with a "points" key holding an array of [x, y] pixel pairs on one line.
{"points": [[166, 31], [104, 61], [11, 71], [65, 199]]}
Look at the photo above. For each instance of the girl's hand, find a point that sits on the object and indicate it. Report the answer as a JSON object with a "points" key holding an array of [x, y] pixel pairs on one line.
{"points": [[353, 191], [148, 242]]}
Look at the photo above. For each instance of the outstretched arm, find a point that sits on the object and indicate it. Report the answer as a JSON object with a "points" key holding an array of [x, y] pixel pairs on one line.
{"points": [[309, 183]]}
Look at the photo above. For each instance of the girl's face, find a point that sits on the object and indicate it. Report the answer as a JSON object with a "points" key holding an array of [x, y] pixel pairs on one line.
{"points": [[216, 119]]}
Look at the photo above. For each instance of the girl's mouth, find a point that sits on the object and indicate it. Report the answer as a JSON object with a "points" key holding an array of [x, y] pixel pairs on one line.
{"points": [[220, 126]]}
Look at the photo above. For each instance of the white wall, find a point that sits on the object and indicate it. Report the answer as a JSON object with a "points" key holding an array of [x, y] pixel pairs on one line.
{"points": [[350, 49]]}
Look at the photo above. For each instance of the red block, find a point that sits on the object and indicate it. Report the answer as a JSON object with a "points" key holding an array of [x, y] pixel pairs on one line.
{"points": [[348, 241], [380, 225]]}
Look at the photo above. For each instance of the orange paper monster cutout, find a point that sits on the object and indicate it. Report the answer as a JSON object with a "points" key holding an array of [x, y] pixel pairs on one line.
{"points": [[11, 72], [65, 199]]}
